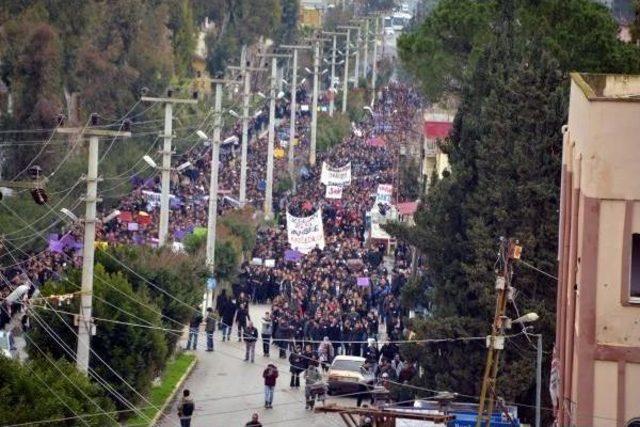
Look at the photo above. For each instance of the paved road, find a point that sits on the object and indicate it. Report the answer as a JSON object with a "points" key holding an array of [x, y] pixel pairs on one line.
{"points": [[228, 390]]}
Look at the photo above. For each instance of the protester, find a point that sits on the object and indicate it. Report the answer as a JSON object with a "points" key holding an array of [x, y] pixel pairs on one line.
{"points": [[194, 329], [267, 330], [270, 376], [296, 367], [254, 421], [250, 338], [210, 328], [186, 407]]}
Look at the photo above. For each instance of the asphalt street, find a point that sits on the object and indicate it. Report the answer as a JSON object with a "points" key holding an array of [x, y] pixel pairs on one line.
{"points": [[227, 390]]}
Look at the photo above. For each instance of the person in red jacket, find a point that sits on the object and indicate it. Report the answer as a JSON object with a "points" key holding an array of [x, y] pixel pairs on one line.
{"points": [[270, 374]]}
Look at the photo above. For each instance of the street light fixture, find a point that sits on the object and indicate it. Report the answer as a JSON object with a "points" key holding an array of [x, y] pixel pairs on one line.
{"points": [[150, 161], [234, 114]]}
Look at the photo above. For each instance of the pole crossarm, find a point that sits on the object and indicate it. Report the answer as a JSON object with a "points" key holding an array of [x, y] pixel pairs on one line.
{"points": [[168, 100], [275, 55], [242, 69], [383, 413], [25, 185], [94, 132], [292, 46], [333, 33]]}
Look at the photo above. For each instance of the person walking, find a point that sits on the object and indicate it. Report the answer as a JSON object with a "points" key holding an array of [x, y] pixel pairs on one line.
{"points": [[228, 315], [186, 407], [325, 353], [312, 379], [194, 329], [296, 366], [270, 375], [210, 327], [255, 422], [267, 331], [242, 316], [250, 338]]}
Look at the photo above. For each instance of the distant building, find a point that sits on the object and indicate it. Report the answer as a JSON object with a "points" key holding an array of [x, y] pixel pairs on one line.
{"points": [[623, 12], [597, 368], [437, 126]]}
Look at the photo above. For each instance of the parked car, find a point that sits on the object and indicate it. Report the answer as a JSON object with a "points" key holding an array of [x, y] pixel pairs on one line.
{"points": [[347, 375]]}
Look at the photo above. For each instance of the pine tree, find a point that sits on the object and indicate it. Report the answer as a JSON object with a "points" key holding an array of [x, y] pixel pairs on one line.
{"points": [[505, 160]]}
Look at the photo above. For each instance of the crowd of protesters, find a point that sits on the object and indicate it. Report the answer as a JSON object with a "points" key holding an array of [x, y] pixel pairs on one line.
{"points": [[318, 307]]}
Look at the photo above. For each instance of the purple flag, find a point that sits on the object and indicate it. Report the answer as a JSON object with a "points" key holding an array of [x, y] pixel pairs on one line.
{"points": [[292, 255], [55, 246], [363, 281]]}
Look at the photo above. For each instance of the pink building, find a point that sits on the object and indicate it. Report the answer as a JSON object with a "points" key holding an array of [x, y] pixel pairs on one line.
{"points": [[598, 307]]}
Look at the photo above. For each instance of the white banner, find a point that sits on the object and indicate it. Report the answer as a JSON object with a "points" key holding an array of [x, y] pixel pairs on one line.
{"points": [[333, 192], [336, 176], [379, 217], [383, 195], [305, 233]]}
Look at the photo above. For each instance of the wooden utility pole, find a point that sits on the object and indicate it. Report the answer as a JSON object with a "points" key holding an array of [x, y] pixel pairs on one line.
{"points": [[84, 319], [168, 102], [509, 250]]}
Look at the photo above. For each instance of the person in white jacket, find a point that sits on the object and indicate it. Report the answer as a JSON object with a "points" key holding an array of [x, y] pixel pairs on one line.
{"points": [[325, 353]]}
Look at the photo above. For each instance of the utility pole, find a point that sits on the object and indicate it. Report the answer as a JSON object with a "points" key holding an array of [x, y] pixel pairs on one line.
{"points": [[333, 68], [268, 194], [538, 379], [314, 104], [374, 63], [166, 159], [292, 119], [213, 190], [245, 71], [345, 84], [495, 342], [84, 318], [365, 61], [356, 71]]}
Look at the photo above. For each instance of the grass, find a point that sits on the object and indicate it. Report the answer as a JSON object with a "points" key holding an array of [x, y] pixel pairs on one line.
{"points": [[159, 395]]}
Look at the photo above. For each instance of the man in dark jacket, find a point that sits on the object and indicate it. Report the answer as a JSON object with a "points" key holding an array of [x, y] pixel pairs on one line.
{"points": [[194, 329], [250, 338], [185, 408], [296, 363], [228, 315], [210, 328], [242, 316]]}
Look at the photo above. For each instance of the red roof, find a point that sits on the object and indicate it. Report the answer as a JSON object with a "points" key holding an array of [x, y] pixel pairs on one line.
{"points": [[407, 208], [435, 130]]}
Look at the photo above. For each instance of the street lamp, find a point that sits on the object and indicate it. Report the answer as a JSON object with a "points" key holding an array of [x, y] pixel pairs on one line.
{"points": [[150, 161]]}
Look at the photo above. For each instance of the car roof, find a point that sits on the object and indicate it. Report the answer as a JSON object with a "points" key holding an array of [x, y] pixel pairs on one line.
{"points": [[352, 358]]}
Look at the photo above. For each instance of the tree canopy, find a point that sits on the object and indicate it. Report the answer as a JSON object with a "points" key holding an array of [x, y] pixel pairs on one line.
{"points": [[508, 64]]}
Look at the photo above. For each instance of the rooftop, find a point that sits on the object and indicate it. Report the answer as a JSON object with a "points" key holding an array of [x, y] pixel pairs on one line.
{"points": [[608, 87]]}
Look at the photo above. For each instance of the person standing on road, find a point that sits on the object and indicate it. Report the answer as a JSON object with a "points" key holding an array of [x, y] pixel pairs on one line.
{"points": [[267, 331], [194, 329], [296, 364], [210, 327], [270, 375], [254, 421], [186, 407], [228, 315], [250, 338], [241, 319]]}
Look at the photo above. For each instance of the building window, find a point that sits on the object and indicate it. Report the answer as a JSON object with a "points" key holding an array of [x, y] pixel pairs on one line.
{"points": [[634, 280], [634, 423]]}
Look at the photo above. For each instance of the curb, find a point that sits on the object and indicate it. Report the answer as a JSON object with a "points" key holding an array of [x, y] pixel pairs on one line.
{"points": [[172, 395]]}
